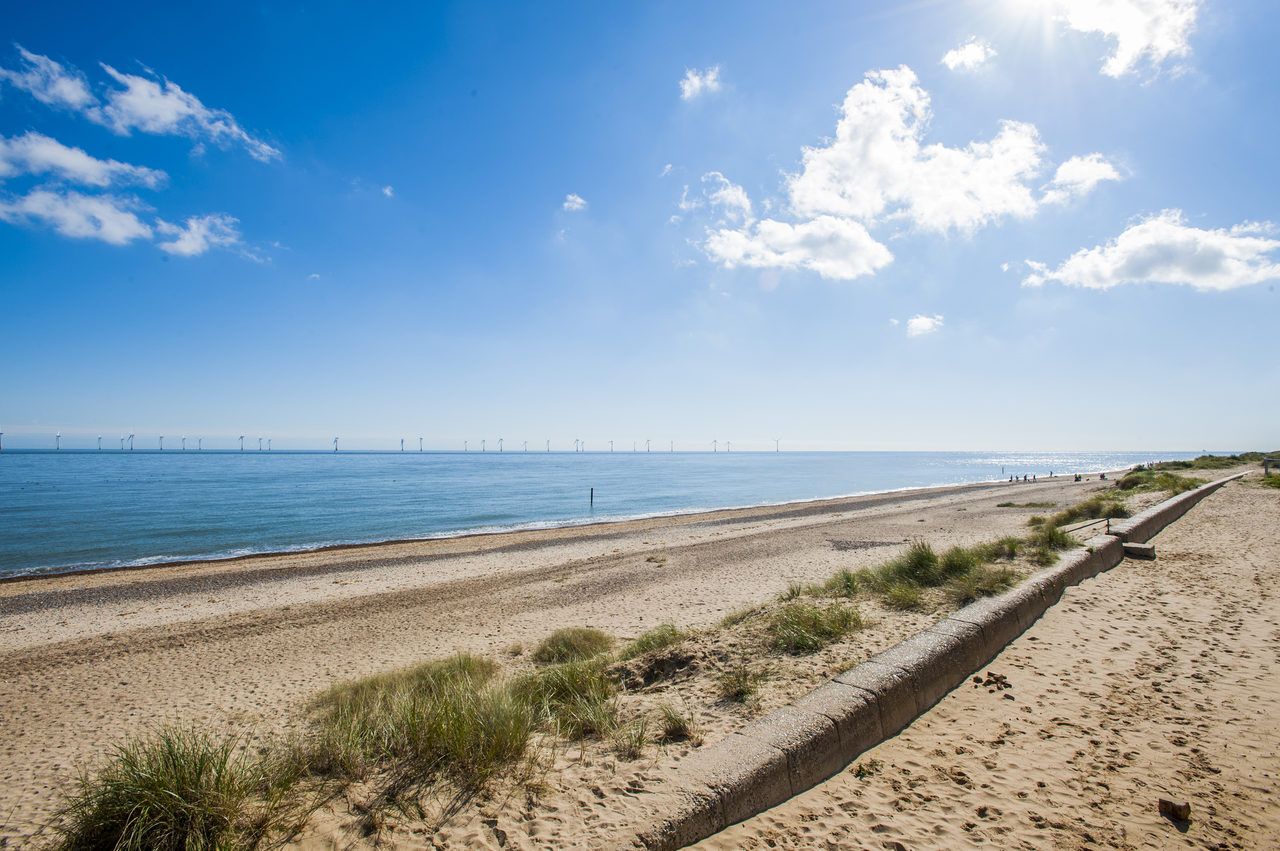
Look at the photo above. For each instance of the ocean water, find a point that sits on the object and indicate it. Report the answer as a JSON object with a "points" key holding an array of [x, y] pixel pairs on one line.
{"points": [[75, 510]]}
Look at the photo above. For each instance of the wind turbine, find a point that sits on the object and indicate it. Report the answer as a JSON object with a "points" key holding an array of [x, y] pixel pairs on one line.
{"points": [[335, 444], [242, 443], [130, 443], [268, 444], [548, 445], [162, 443], [633, 446], [57, 442], [728, 446], [526, 446], [199, 444], [99, 443], [575, 444], [2, 441], [402, 444], [464, 446], [482, 449], [611, 446], [776, 445], [419, 444], [673, 446], [713, 446], [646, 446], [184, 443], [122, 443], [259, 443], [499, 444]]}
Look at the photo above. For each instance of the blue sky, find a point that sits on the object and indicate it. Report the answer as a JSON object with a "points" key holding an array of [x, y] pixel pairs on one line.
{"points": [[1028, 224]]}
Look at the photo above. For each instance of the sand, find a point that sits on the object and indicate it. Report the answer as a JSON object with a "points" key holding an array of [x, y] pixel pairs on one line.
{"points": [[89, 659]]}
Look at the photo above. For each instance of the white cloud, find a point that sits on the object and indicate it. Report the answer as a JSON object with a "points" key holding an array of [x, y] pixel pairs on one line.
{"points": [[388, 191], [832, 247], [666, 169], [1164, 249], [574, 203], [919, 325], [34, 153], [199, 234], [877, 170], [696, 83], [876, 165], [49, 82], [1077, 177], [163, 108], [105, 217], [1156, 30], [314, 276], [728, 197], [968, 56], [893, 321]]}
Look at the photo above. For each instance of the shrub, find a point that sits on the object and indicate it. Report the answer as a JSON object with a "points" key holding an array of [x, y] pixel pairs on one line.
{"points": [[657, 638], [177, 788], [571, 644], [1271, 481], [805, 628]]}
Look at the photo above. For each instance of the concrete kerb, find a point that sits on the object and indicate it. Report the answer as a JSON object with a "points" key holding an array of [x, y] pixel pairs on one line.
{"points": [[798, 746]]}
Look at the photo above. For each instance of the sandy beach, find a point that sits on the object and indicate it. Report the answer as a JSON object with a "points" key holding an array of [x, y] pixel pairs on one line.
{"points": [[90, 659]]}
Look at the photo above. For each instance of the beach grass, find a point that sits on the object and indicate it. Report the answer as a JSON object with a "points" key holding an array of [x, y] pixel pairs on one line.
{"points": [[575, 698], [738, 684], [678, 725], [180, 788], [658, 638], [1272, 481], [572, 644], [800, 627], [1137, 481]]}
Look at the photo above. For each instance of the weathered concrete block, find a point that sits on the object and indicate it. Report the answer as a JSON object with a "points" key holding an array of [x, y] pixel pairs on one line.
{"points": [[748, 775], [972, 651], [1146, 552], [996, 617], [854, 712], [894, 690], [934, 660], [809, 739], [1027, 602], [679, 815]]}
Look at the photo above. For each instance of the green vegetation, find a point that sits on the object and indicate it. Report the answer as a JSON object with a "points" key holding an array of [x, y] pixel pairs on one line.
{"points": [[1140, 480], [657, 638], [629, 740], [441, 720], [738, 684], [982, 581], [576, 698], [1025, 504], [1212, 462], [1271, 481], [679, 726], [805, 628], [572, 644], [180, 789], [842, 584], [1097, 507], [904, 596]]}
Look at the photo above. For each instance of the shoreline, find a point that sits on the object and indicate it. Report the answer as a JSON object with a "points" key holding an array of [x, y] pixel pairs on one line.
{"points": [[32, 574]]}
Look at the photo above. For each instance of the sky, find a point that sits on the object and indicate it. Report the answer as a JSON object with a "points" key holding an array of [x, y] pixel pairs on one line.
{"points": [[1008, 224]]}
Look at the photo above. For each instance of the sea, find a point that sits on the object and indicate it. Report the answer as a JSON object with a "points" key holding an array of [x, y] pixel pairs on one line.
{"points": [[79, 510]]}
